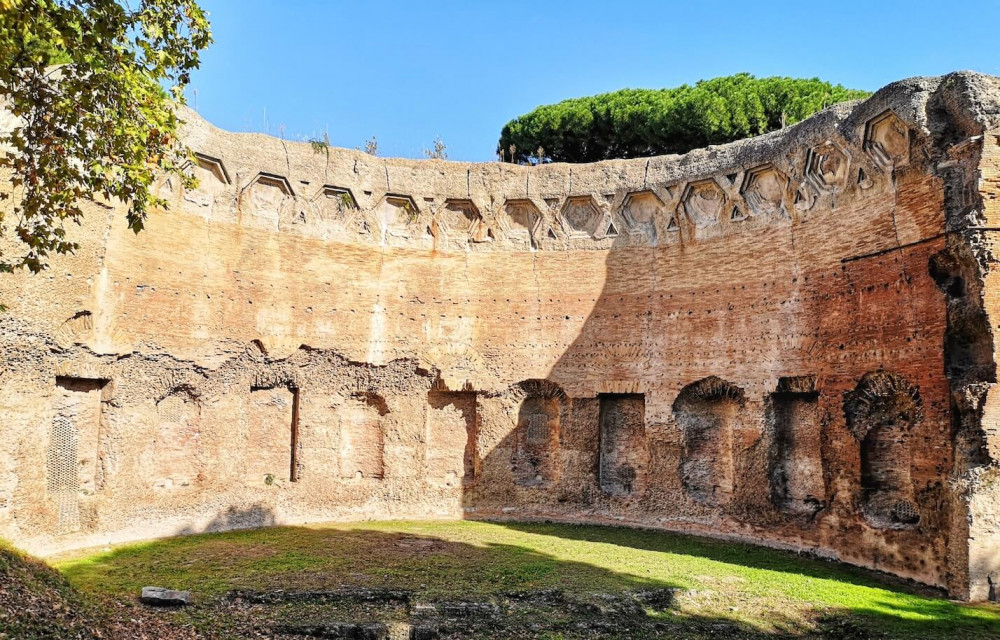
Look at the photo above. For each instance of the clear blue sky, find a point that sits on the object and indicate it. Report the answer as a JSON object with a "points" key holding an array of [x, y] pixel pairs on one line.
{"points": [[407, 71]]}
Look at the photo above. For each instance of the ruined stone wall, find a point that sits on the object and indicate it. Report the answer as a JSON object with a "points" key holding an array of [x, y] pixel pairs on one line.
{"points": [[785, 340]]}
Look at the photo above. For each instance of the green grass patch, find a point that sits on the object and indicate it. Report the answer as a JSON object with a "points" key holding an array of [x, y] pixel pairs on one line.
{"points": [[760, 590]]}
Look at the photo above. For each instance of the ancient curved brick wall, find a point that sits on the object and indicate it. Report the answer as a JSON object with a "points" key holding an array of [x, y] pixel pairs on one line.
{"points": [[785, 340]]}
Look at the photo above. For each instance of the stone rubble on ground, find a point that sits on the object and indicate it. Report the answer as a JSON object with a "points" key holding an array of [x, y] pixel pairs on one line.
{"points": [[158, 596]]}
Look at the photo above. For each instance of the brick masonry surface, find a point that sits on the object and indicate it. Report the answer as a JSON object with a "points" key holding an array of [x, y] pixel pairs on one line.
{"points": [[787, 340]]}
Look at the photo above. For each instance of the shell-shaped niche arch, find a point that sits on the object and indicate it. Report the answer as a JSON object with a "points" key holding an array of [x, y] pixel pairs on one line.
{"points": [[535, 439], [881, 413]]}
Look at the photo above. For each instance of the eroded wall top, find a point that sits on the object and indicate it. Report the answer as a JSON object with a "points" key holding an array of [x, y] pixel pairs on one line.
{"points": [[846, 151]]}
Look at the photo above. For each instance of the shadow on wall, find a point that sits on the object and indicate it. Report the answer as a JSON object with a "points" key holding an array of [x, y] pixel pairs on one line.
{"points": [[645, 417], [252, 517], [580, 438]]}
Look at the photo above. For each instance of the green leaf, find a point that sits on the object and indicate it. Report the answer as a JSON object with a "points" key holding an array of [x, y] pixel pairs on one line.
{"points": [[98, 125]]}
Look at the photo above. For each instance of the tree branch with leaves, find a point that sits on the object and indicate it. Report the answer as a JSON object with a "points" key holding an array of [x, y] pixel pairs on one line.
{"points": [[91, 87]]}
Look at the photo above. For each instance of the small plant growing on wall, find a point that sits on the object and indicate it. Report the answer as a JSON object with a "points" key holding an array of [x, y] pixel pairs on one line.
{"points": [[321, 145], [439, 150], [411, 212], [269, 479]]}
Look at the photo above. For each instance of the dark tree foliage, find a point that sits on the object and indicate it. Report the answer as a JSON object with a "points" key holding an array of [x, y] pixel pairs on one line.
{"points": [[644, 122]]}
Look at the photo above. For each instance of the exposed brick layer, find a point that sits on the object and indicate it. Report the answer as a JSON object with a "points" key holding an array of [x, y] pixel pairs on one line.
{"points": [[785, 340]]}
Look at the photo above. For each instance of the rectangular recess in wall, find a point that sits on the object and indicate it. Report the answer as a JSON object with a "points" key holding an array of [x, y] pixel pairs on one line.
{"points": [[362, 437], [175, 459], [452, 427], [73, 457], [535, 455], [796, 464], [273, 429], [622, 441]]}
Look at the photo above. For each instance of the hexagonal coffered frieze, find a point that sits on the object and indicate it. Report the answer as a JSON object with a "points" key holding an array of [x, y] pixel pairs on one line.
{"points": [[400, 219], [887, 140], [703, 202], [396, 209], [461, 221], [827, 167], [269, 194], [338, 206], [337, 200], [580, 217], [640, 210], [521, 220], [212, 177], [272, 180], [214, 166], [764, 190]]}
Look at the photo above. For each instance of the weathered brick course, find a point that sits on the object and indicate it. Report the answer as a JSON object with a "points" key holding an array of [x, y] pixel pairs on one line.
{"points": [[321, 336]]}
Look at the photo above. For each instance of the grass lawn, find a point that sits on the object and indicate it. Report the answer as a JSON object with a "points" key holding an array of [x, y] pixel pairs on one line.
{"points": [[723, 589]]}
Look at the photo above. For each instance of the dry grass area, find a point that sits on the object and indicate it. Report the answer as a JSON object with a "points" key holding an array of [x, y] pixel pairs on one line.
{"points": [[36, 602], [474, 579]]}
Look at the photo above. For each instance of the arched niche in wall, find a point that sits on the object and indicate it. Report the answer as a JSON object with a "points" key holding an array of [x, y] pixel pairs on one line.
{"points": [[535, 456], [881, 413], [175, 460], [707, 411], [796, 465]]}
